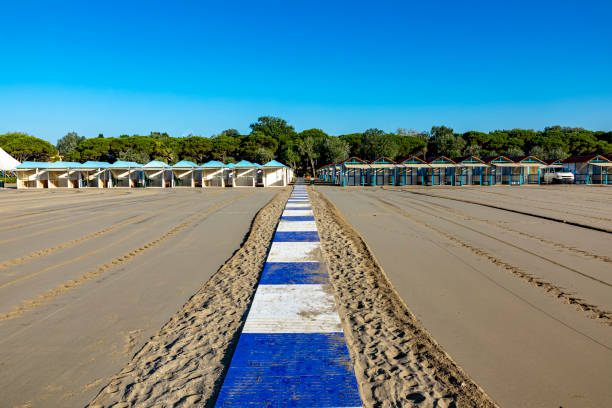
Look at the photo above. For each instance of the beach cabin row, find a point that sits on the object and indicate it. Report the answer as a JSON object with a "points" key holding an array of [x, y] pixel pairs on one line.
{"points": [[467, 170], [127, 174]]}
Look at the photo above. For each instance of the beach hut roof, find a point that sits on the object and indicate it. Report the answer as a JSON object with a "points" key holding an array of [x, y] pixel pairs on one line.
{"points": [[155, 164], [230, 165], [588, 158], [527, 159], [213, 164], [120, 164], [553, 162], [64, 165], [440, 160], [353, 160], [468, 159], [244, 163], [274, 163], [412, 160], [496, 159], [382, 160], [33, 165], [7, 162], [183, 164], [95, 165]]}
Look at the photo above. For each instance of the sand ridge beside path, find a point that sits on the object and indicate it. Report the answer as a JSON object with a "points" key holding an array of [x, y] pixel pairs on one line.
{"points": [[397, 362], [184, 363]]}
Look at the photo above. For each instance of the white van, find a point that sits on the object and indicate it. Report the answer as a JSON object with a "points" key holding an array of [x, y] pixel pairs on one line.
{"points": [[557, 175]]}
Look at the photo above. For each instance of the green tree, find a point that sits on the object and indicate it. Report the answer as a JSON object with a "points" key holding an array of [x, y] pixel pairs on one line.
{"points": [[134, 155], [196, 148], [308, 148], [291, 158], [515, 152], [250, 143], [68, 144], [376, 143], [224, 146], [25, 147], [445, 142], [335, 150], [263, 155], [354, 142]]}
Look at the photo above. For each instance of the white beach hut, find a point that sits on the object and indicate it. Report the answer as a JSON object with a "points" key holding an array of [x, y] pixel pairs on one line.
{"points": [[157, 174], [187, 174], [213, 174], [95, 174], [244, 174], [275, 174], [126, 174], [32, 175]]}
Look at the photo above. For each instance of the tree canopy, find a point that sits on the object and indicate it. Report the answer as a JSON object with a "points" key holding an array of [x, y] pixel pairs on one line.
{"points": [[273, 138]]}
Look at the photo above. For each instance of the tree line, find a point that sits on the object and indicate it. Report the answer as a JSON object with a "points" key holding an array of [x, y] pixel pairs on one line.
{"points": [[273, 138]]}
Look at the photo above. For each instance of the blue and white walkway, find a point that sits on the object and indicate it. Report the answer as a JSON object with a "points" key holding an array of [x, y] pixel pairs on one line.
{"points": [[292, 351]]}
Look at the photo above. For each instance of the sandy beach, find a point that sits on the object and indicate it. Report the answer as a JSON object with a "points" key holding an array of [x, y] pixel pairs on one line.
{"points": [[447, 297], [520, 303], [87, 277]]}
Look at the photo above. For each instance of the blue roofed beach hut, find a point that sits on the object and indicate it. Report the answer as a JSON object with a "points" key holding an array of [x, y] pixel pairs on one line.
{"points": [[275, 174], [96, 174], [126, 174], [470, 170], [213, 174], [187, 174], [244, 174], [157, 174], [441, 171], [32, 174]]}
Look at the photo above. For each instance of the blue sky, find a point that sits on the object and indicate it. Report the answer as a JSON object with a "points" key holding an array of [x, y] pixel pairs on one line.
{"points": [[198, 67]]}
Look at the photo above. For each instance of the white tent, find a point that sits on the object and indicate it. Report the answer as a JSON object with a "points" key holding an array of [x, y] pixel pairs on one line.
{"points": [[7, 162]]}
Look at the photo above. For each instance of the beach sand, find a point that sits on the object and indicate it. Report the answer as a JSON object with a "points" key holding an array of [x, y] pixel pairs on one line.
{"points": [[87, 277], [520, 303]]}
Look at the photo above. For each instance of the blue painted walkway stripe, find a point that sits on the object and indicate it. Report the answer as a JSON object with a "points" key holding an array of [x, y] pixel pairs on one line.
{"points": [[285, 273], [292, 352], [290, 370], [298, 218], [297, 236]]}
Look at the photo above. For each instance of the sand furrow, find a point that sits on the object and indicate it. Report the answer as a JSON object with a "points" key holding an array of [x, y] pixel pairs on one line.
{"points": [[185, 362], [397, 362], [30, 304], [593, 311]]}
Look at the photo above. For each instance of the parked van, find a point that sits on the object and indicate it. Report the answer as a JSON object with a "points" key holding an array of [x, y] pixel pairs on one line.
{"points": [[552, 175]]}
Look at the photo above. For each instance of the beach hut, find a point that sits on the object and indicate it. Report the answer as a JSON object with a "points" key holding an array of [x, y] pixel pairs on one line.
{"points": [[470, 170], [590, 169], [157, 174], [411, 171], [527, 170], [381, 172], [213, 174], [258, 174], [441, 171], [32, 175], [353, 171], [187, 174], [126, 174], [95, 174], [498, 170], [275, 174], [244, 174], [229, 174], [64, 174]]}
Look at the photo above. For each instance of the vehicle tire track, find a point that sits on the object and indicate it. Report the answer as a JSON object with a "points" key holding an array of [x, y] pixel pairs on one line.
{"points": [[593, 311], [60, 289], [48, 251]]}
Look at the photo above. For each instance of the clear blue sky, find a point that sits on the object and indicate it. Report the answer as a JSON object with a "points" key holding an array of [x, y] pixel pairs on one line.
{"points": [[344, 66]]}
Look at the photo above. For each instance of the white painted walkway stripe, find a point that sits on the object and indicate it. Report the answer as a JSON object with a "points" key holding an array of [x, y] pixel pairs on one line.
{"points": [[297, 213], [295, 252], [293, 309], [297, 226]]}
